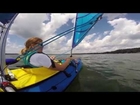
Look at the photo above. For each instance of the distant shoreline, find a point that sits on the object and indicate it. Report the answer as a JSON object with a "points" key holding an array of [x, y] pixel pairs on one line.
{"points": [[12, 54], [119, 51]]}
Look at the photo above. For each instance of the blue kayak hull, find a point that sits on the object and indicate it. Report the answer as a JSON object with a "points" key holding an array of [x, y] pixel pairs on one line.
{"points": [[57, 83]]}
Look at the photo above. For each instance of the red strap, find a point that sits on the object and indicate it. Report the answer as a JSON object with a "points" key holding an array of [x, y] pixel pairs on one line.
{"points": [[5, 83]]}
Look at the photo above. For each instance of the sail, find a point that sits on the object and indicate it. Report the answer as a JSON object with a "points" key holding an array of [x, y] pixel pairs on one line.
{"points": [[6, 17], [83, 23]]}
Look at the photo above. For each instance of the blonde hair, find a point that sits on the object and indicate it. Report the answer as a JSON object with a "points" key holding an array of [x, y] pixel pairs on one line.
{"points": [[30, 42]]}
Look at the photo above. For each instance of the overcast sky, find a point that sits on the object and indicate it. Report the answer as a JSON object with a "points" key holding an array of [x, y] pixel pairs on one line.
{"points": [[114, 31]]}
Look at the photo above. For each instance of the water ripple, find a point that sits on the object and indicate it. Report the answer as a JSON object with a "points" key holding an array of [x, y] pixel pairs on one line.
{"points": [[108, 72]]}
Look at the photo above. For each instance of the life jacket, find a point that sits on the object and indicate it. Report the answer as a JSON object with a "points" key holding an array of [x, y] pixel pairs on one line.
{"points": [[26, 60]]}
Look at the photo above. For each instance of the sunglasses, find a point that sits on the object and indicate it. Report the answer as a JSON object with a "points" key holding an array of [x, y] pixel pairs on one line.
{"points": [[41, 44]]}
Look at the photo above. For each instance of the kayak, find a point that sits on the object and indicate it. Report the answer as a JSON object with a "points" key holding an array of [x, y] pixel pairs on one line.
{"points": [[43, 79], [27, 79]]}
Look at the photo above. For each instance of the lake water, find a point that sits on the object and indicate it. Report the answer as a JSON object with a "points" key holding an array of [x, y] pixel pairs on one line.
{"points": [[105, 73]]}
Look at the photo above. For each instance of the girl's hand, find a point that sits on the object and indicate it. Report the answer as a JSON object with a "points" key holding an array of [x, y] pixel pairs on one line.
{"points": [[53, 57]]}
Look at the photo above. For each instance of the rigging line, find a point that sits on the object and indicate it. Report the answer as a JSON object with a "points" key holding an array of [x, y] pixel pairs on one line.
{"points": [[63, 33], [46, 43], [43, 45], [57, 38], [79, 26], [48, 40]]}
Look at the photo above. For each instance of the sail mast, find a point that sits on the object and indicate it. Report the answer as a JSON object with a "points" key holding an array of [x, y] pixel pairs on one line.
{"points": [[73, 32]]}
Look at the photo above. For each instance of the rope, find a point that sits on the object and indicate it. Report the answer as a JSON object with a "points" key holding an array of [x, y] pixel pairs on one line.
{"points": [[58, 36]]}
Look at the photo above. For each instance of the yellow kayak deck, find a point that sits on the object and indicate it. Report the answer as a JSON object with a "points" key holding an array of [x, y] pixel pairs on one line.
{"points": [[29, 76]]}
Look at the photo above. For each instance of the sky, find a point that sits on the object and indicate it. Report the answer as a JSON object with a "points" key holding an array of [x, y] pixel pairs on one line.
{"points": [[114, 31]]}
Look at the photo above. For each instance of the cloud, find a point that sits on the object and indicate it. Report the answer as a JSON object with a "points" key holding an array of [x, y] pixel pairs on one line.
{"points": [[106, 32], [125, 33], [111, 16], [13, 47], [28, 25]]}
